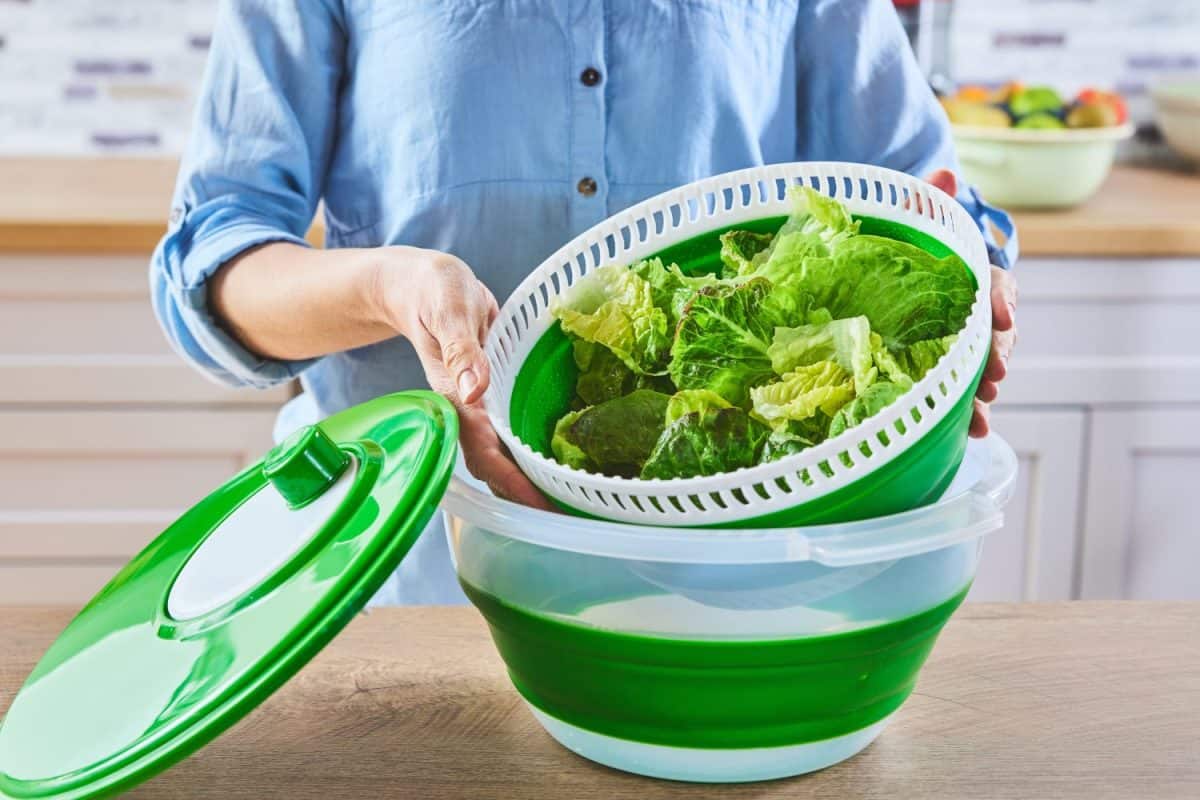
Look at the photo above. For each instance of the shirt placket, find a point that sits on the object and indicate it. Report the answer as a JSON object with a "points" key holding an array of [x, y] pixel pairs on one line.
{"points": [[589, 180]]}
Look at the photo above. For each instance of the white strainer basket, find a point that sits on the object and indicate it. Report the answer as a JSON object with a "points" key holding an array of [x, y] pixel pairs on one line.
{"points": [[718, 202]]}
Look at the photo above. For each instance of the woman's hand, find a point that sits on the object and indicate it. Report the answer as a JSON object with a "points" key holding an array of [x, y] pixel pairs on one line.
{"points": [[1004, 325], [436, 302], [1004, 337]]}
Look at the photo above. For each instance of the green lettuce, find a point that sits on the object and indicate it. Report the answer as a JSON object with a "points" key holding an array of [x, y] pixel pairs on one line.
{"points": [[847, 342], [689, 401], [670, 289], [614, 437], [706, 442], [742, 251], [907, 294], [615, 308], [823, 386], [805, 334], [603, 376], [868, 404], [908, 365], [722, 341]]}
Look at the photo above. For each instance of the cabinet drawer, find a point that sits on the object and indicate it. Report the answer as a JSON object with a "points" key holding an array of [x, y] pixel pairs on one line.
{"points": [[1107, 332], [81, 330], [81, 492]]}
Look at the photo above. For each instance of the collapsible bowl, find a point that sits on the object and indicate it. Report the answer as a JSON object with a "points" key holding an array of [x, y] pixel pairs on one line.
{"points": [[722, 655], [901, 458]]}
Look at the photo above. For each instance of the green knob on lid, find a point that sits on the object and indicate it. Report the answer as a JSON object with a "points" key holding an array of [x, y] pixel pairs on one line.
{"points": [[304, 465]]}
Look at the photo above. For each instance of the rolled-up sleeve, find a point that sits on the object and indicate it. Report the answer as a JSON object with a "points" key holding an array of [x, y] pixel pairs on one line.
{"points": [[253, 169], [865, 99]]}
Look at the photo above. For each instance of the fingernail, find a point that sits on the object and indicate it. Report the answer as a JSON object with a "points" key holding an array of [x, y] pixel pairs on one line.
{"points": [[1012, 312], [466, 383]]}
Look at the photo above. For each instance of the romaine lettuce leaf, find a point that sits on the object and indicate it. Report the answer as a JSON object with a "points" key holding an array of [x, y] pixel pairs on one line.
{"points": [[740, 249], [846, 342], [722, 340], [705, 443], [908, 365], [881, 395], [817, 224], [907, 294], [565, 451], [670, 289], [690, 401], [823, 386], [615, 307], [614, 437], [603, 376]]}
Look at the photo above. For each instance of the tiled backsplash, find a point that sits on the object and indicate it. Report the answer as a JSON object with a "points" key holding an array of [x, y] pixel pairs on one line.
{"points": [[81, 77], [84, 77], [1127, 45]]}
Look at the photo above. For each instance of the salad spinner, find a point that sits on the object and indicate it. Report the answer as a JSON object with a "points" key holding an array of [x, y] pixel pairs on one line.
{"points": [[703, 655], [898, 459]]}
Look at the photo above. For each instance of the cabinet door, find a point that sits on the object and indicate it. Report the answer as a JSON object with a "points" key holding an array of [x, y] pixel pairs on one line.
{"points": [[1142, 538], [1033, 556], [80, 330], [83, 491]]}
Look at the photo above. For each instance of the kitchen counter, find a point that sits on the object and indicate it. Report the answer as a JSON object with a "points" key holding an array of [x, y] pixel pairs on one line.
{"points": [[121, 206], [1053, 701]]}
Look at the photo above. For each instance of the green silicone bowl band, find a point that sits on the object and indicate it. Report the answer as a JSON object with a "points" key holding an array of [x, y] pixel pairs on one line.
{"points": [[712, 694]]}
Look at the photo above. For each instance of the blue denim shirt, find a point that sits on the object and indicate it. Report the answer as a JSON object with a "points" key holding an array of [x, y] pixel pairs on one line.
{"points": [[470, 126]]}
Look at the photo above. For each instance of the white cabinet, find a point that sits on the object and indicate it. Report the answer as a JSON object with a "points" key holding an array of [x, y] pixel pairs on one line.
{"points": [[105, 434], [1103, 406], [1033, 556], [1143, 489], [83, 491]]}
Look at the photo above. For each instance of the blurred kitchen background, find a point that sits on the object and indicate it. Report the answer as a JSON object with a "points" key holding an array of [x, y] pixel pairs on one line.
{"points": [[105, 436]]}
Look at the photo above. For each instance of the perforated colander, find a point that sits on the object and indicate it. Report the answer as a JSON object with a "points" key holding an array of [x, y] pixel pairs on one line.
{"points": [[901, 458]]}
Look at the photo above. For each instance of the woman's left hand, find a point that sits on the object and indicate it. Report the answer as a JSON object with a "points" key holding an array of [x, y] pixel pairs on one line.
{"points": [[1004, 325]]}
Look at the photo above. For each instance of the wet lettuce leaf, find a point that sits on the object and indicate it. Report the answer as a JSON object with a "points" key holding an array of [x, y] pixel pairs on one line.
{"points": [[615, 308], [846, 342], [868, 404], [908, 365], [743, 251], [603, 376], [722, 341], [688, 401], [907, 294], [670, 289], [823, 386], [705, 443], [614, 437]]}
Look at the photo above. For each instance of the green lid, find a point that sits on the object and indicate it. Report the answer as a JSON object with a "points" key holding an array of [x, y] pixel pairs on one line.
{"points": [[229, 602]]}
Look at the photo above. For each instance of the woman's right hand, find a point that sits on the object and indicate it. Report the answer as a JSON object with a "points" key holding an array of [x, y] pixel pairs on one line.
{"points": [[435, 301]]}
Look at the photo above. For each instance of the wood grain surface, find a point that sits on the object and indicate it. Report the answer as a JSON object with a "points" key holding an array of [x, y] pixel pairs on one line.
{"points": [[121, 205], [1137, 212], [1020, 702]]}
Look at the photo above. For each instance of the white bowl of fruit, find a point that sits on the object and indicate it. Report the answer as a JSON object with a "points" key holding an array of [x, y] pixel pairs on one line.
{"points": [[1026, 147]]}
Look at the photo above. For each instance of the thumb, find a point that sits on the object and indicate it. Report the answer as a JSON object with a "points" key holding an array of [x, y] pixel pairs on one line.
{"points": [[463, 359], [944, 179]]}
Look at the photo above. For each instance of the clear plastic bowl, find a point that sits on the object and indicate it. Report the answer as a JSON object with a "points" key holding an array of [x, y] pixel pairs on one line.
{"points": [[722, 655]]}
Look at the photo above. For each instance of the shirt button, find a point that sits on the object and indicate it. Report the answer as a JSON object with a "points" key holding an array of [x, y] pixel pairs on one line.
{"points": [[586, 186], [590, 76]]}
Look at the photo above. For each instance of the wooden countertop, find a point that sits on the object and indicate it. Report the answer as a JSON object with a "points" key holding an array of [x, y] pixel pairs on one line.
{"points": [[1055, 701], [1138, 212], [121, 206]]}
